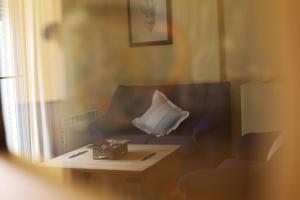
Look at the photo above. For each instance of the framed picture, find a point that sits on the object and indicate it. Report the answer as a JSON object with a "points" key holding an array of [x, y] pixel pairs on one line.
{"points": [[149, 22]]}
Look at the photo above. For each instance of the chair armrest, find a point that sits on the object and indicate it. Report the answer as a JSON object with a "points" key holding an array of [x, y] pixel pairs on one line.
{"points": [[228, 182], [215, 184], [255, 146]]}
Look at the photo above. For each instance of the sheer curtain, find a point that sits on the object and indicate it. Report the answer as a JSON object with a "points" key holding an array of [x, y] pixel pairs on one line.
{"points": [[7, 78], [35, 78]]}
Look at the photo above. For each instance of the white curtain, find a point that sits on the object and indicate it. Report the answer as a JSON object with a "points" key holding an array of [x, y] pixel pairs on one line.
{"points": [[7, 77], [39, 76]]}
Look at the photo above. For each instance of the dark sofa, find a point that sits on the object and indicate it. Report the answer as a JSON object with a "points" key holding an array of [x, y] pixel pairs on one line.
{"points": [[205, 136]]}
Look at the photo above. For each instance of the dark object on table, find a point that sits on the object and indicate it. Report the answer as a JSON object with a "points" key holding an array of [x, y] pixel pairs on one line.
{"points": [[205, 137], [78, 154], [109, 149], [148, 156]]}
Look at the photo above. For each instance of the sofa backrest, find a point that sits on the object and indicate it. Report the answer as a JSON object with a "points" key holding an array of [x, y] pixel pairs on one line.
{"points": [[130, 102]]}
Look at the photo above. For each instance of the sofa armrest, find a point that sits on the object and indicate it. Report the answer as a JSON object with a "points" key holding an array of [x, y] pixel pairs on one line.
{"points": [[213, 140], [107, 126], [255, 146], [202, 127], [95, 132]]}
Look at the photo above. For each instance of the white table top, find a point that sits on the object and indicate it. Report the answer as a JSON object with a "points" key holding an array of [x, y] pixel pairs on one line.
{"points": [[86, 162]]}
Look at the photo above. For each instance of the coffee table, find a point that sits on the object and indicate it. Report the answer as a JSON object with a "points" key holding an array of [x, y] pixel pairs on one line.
{"points": [[152, 178]]}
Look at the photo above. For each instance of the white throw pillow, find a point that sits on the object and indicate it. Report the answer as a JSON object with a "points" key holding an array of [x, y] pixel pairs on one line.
{"points": [[162, 117]]}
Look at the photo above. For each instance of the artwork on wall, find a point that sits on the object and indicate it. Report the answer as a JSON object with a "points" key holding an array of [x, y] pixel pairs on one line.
{"points": [[149, 22]]}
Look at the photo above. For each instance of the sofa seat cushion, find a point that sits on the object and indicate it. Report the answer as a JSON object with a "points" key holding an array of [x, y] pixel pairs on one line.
{"points": [[188, 147], [135, 138]]}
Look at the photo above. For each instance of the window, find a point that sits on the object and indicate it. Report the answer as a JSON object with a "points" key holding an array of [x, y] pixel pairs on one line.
{"points": [[8, 79], [28, 75]]}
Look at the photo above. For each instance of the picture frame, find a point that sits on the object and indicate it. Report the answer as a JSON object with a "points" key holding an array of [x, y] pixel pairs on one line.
{"points": [[149, 22]]}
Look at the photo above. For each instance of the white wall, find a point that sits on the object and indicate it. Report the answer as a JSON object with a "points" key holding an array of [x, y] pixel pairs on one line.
{"points": [[246, 33]]}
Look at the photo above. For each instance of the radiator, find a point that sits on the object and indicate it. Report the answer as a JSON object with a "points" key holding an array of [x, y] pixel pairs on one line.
{"points": [[75, 132]]}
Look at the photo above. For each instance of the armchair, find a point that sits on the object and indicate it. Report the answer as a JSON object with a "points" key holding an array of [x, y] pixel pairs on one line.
{"points": [[235, 178]]}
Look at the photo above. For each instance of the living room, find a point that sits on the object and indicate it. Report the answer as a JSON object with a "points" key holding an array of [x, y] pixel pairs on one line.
{"points": [[146, 99]]}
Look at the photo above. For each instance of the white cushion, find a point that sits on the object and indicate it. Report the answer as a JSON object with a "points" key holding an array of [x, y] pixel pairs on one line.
{"points": [[162, 117]]}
